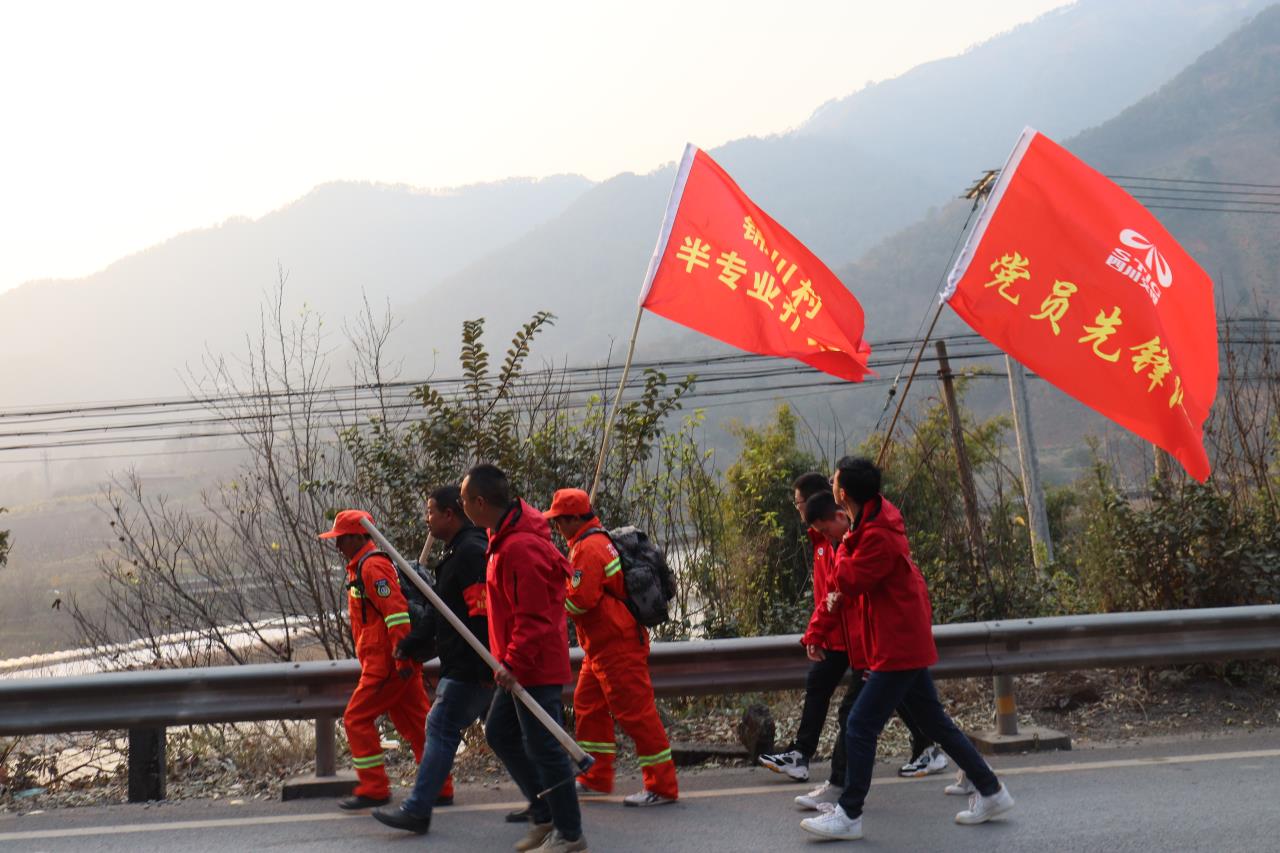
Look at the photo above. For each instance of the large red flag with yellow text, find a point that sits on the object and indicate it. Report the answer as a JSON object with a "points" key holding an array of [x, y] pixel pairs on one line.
{"points": [[1070, 275], [722, 266]]}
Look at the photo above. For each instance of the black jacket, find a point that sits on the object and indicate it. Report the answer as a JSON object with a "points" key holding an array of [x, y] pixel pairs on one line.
{"points": [[460, 581]]}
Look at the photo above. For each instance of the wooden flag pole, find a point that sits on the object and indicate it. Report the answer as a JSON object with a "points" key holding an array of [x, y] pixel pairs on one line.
{"points": [[580, 757], [888, 436], [613, 410]]}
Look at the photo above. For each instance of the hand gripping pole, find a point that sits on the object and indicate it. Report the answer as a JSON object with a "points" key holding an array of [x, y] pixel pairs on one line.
{"points": [[581, 758]]}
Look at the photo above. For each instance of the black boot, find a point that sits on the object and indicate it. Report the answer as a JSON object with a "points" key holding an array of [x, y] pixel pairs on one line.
{"points": [[398, 818], [356, 802]]}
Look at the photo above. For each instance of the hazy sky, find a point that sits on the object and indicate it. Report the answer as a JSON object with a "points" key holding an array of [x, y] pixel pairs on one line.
{"points": [[124, 123]]}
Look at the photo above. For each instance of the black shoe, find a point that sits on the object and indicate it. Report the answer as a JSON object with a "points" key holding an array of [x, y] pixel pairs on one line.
{"points": [[355, 802], [444, 801], [518, 816], [398, 818]]}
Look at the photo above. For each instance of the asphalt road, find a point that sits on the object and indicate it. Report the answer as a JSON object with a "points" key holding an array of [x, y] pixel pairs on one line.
{"points": [[1184, 795]]}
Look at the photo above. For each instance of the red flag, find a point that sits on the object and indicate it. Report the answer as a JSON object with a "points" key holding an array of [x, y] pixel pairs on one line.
{"points": [[1070, 275], [724, 267]]}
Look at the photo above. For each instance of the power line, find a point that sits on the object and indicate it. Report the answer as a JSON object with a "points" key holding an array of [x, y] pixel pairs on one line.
{"points": [[1192, 181], [1206, 200], [105, 437], [1209, 209], [1192, 191], [330, 414]]}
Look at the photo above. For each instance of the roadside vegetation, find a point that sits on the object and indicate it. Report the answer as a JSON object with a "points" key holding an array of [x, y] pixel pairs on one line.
{"points": [[239, 576]]}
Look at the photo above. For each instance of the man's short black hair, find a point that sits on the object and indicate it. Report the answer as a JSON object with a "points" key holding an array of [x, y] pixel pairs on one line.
{"points": [[810, 484], [859, 477], [448, 497], [489, 482], [820, 506]]}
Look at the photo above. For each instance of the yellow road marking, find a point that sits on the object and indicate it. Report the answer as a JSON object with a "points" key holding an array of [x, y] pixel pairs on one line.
{"points": [[267, 820]]}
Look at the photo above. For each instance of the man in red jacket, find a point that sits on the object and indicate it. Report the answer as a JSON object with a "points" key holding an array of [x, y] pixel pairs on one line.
{"points": [[824, 645], [529, 635], [613, 683], [875, 572], [379, 620]]}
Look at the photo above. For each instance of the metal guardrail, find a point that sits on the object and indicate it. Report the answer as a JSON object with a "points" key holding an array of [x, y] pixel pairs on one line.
{"points": [[154, 699]]}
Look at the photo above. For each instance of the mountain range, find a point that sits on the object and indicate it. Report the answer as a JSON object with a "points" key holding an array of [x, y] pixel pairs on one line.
{"points": [[852, 181]]}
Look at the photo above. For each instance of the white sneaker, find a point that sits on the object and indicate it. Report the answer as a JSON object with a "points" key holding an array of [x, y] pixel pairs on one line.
{"points": [[791, 764], [834, 824], [982, 809], [931, 760], [824, 794], [584, 791], [962, 787], [646, 798]]}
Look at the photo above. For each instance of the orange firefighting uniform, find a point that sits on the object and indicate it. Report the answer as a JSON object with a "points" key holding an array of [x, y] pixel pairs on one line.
{"points": [[613, 683], [380, 620]]}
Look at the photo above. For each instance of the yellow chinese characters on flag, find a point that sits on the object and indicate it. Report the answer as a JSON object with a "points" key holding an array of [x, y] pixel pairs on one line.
{"points": [[722, 266], [1070, 275]]}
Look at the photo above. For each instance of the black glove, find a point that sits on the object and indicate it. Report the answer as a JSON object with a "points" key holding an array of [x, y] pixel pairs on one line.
{"points": [[417, 648]]}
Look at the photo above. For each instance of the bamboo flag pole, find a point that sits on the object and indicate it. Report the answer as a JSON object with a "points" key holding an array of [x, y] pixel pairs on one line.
{"points": [[888, 436], [581, 758], [979, 192], [664, 233], [613, 410]]}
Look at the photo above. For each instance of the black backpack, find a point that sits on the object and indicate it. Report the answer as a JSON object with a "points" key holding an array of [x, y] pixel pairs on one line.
{"points": [[649, 580]]}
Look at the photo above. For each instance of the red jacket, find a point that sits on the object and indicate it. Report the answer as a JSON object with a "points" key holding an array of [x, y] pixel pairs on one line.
{"points": [[525, 582], [824, 629], [597, 595], [875, 574], [379, 613]]}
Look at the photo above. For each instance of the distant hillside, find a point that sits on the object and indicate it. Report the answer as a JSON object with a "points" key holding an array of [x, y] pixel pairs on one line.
{"points": [[1219, 120], [859, 170], [127, 330]]}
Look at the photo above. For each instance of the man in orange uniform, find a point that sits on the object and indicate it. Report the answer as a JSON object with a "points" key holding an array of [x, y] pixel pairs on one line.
{"points": [[379, 620], [614, 680]]}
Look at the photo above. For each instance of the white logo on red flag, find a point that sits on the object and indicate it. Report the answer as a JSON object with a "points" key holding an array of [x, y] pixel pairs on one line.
{"points": [[1139, 270]]}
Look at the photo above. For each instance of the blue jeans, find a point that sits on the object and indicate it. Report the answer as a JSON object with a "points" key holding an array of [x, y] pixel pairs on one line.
{"points": [[534, 758], [458, 704], [911, 690]]}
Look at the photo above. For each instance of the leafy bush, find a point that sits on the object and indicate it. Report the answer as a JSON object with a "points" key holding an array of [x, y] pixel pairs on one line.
{"points": [[1182, 548]]}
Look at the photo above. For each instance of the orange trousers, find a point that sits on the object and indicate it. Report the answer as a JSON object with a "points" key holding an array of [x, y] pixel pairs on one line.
{"points": [[405, 702], [616, 686]]}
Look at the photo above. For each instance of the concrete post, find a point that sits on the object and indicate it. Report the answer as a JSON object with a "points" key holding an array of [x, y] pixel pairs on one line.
{"points": [[1029, 462], [1006, 706]]}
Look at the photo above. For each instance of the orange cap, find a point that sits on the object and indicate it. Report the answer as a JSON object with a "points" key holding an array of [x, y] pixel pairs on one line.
{"points": [[569, 502], [347, 521]]}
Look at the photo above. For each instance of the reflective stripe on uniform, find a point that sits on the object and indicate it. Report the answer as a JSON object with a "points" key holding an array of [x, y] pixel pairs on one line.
{"points": [[613, 568], [573, 608], [367, 761], [394, 619], [355, 593], [609, 748], [650, 760]]}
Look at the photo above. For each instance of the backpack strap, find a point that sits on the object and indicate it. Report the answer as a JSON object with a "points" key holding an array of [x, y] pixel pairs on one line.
{"points": [[358, 583], [600, 530]]}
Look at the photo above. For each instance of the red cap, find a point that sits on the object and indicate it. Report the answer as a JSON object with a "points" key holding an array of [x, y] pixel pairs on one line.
{"points": [[569, 502], [348, 521]]}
